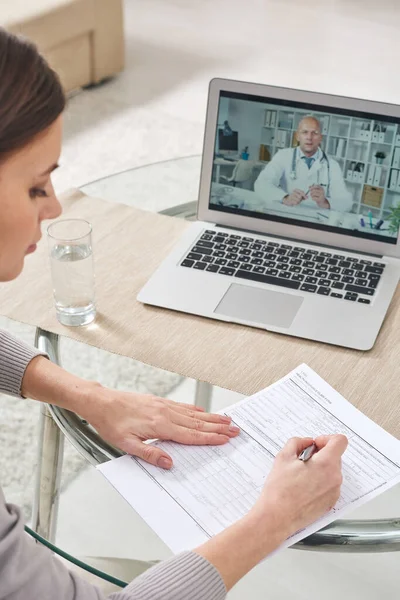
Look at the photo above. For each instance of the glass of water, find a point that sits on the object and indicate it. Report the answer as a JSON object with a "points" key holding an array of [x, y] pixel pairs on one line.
{"points": [[72, 272]]}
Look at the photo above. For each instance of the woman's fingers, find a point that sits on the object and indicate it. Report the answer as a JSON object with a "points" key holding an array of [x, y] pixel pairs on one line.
{"points": [[195, 437], [295, 446], [187, 410], [192, 407], [147, 452], [197, 423]]}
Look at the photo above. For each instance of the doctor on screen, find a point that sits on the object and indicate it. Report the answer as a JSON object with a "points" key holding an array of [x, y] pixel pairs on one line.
{"points": [[305, 175]]}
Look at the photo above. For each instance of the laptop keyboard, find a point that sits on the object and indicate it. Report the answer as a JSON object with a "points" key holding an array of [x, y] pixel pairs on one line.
{"points": [[285, 265]]}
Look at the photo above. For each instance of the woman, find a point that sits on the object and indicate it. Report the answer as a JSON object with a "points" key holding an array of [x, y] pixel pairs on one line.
{"points": [[31, 105]]}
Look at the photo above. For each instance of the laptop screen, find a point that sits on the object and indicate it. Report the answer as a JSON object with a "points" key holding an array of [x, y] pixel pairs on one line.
{"points": [[307, 165]]}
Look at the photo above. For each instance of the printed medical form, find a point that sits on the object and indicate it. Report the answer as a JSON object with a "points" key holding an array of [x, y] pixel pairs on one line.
{"points": [[209, 488]]}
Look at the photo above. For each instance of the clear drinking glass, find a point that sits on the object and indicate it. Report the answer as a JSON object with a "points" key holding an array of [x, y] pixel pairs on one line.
{"points": [[72, 272]]}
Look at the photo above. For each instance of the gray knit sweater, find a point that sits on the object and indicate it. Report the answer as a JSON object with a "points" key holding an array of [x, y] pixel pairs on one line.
{"points": [[29, 571]]}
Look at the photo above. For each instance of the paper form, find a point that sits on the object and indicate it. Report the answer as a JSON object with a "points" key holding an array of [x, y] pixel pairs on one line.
{"points": [[209, 488]]}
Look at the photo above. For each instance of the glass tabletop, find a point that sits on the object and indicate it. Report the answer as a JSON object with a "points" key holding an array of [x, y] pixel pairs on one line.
{"points": [[171, 187]]}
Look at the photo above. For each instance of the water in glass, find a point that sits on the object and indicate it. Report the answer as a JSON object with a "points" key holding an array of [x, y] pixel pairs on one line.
{"points": [[73, 283]]}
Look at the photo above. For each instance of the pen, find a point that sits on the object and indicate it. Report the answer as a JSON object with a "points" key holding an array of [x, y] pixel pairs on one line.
{"points": [[379, 224], [307, 452], [370, 218], [322, 215]]}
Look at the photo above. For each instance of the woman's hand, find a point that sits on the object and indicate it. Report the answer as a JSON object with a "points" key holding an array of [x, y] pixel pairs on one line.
{"points": [[126, 420], [296, 493]]}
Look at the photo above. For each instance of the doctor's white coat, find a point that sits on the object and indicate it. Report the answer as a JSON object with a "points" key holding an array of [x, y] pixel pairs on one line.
{"points": [[274, 181]]}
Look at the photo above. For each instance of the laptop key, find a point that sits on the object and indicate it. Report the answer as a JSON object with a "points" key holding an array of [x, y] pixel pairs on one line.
{"points": [[246, 267], [233, 264], [297, 277], [282, 266], [308, 264], [345, 264], [347, 279], [334, 276], [361, 274], [334, 269], [331, 261], [325, 282], [307, 256], [203, 244], [187, 263], [244, 258], [284, 274], [364, 300], [207, 237], [366, 262], [336, 295], [308, 271], [200, 266], [231, 256], [210, 232], [219, 254], [296, 262], [324, 291], [362, 282], [375, 270], [250, 275], [256, 261], [213, 268], [294, 269], [202, 250], [258, 254], [284, 259], [220, 246], [338, 285], [352, 297], [207, 259], [258, 270], [311, 280], [226, 271], [307, 287], [194, 256], [377, 264], [359, 290], [319, 259], [219, 239], [220, 261]]}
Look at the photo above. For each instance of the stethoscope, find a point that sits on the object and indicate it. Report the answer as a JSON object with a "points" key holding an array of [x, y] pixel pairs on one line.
{"points": [[293, 172]]}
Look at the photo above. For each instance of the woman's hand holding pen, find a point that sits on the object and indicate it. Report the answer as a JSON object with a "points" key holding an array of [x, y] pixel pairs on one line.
{"points": [[298, 492], [295, 494]]}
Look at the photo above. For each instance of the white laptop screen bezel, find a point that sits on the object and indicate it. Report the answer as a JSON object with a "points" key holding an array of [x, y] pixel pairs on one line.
{"points": [[265, 226]]}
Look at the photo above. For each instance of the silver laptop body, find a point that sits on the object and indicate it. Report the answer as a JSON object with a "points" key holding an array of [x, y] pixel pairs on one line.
{"points": [[323, 270]]}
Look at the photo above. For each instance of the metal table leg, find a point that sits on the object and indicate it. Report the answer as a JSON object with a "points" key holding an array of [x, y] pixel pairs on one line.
{"points": [[203, 395], [50, 456]]}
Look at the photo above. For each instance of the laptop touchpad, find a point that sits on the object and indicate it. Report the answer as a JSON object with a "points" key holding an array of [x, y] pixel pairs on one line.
{"points": [[258, 305]]}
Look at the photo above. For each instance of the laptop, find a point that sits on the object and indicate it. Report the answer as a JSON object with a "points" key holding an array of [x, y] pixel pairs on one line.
{"points": [[297, 229]]}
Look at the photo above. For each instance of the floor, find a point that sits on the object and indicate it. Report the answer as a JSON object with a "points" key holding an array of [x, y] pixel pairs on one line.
{"points": [[155, 110]]}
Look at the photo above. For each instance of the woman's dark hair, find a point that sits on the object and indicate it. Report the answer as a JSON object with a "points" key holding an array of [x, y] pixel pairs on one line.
{"points": [[31, 95]]}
